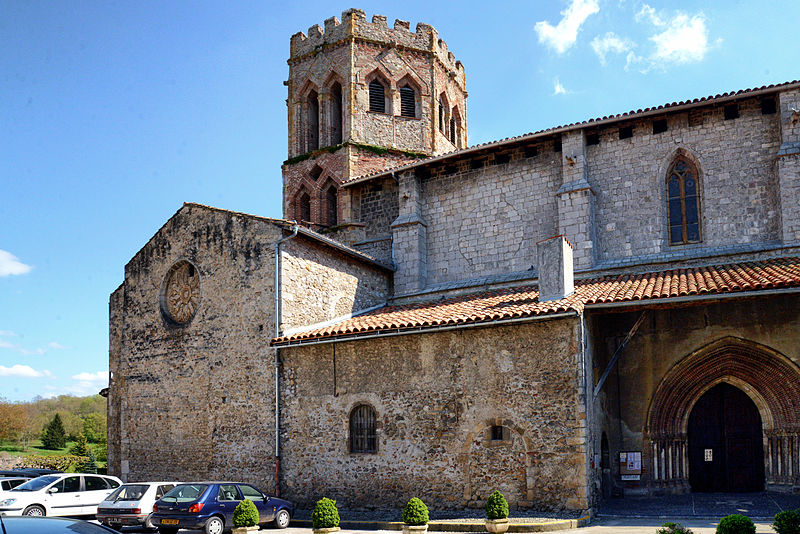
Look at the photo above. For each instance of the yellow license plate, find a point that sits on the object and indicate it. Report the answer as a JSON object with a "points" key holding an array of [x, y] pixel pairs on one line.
{"points": [[169, 521]]}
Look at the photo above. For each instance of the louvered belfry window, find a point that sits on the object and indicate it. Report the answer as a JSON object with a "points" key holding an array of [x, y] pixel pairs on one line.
{"points": [[362, 430], [377, 97], [683, 203], [408, 103]]}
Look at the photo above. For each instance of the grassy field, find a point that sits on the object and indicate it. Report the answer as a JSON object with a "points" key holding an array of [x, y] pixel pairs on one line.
{"points": [[34, 449]]}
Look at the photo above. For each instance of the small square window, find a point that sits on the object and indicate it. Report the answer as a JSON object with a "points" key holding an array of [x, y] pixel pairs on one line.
{"points": [[315, 172], [557, 145], [497, 433], [593, 138], [476, 163], [500, 159], [531, 151], [659, 126], [626, 132], [731, 112], [768, 106]]}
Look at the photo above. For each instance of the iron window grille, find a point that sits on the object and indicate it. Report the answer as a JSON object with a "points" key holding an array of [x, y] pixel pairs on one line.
{"points": [[377, 97], [408, 102], [362, 430]]}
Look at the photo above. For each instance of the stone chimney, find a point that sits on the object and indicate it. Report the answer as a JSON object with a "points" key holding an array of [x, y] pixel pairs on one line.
{"points": [[554, 260]]}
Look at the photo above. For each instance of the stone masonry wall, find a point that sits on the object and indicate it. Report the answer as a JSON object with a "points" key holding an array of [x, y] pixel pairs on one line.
{"points": [[437, 396], [318, 284], [196, 401]]}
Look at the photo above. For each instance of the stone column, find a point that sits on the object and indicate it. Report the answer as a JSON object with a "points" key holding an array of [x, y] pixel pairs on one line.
{"points": [[409, 238], [789, 165], [576, 200]]}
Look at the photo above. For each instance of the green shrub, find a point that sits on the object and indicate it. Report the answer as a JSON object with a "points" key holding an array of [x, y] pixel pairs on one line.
{"points": [[736, 524], [325, 514], [673, 528], [496, 506], [415, 513], [61, 463], [245, 514], [787, 522]]}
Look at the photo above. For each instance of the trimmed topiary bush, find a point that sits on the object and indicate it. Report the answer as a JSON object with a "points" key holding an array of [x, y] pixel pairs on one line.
{"points": [[787, 522], [736, 524], [673, 528], [325, 514], [245, 514], [415, 513], [496, 506]]}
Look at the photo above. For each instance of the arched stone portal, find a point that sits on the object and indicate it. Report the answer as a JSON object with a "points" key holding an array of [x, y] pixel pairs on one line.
{"points": [[768, 378]]}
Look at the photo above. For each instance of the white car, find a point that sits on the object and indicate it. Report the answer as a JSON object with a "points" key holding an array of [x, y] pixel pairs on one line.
{"points": [[9, 483], [62, 494], [132, 504]]}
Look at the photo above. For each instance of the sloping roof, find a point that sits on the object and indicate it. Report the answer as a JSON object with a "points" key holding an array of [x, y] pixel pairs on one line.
{"points": [[629, 115], [523, 301]]}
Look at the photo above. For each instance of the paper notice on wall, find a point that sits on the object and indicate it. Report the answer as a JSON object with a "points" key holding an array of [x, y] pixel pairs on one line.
{"points": [[634, 462], [623, 457]]}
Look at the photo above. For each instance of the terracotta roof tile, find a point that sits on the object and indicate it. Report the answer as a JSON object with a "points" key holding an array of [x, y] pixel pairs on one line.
{"points": [[523, 301]]}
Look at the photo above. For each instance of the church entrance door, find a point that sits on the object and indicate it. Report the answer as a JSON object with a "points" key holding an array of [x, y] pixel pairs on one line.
{"points": [[725, 442]]}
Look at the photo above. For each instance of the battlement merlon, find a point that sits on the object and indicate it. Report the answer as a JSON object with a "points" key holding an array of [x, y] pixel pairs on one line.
{"points": [[354, 24]]}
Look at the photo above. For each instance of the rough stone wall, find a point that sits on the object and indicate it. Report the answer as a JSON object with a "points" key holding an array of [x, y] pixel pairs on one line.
{"points": [[738, 179], [436, 397], [663, 340], [318, 284], [115, 325], [789, 165], [487, 221], [196, 401]]}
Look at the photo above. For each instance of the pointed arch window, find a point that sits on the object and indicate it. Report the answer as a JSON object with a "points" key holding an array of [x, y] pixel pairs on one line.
{"points": [[683, 203], [362, 430], [304, 207], [313, 121], [331, 206], [336, 114], [377, 97]]}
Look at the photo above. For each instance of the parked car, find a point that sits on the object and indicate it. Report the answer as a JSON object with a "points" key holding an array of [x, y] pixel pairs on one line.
{"points": [[49, 525], [210, 505], [16, 473], [64, 494], [9, 483], [132, 504]]}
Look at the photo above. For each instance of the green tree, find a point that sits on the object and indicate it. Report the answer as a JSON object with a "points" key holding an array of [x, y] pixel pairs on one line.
{"points": [[81, 447], [89, 465], [53, 435], [94, 427], [12, 420]]}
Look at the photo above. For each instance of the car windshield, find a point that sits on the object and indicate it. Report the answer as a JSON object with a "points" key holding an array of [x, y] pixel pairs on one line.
{"points": [[128, 492], [36, 484], [185, 493]]}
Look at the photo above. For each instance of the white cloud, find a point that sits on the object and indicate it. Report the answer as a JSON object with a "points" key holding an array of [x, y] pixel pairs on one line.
{"points": [[563, 35], [558, 88], [99, 376], [23, 371], [679, 39], [57, 346], [610, 43], [16, 347], [10, 264]]}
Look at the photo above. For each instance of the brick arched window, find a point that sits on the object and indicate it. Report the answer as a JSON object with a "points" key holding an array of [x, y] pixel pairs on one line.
{"points": [[313, 121], [304, 207], [408, 101], [331, 206], [683, 202], [337, 119], [377, 96], [362, 429]]}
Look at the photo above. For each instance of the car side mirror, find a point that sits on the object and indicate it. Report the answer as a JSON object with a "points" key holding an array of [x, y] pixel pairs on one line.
{"points": [[52, 490], [266, 498]]}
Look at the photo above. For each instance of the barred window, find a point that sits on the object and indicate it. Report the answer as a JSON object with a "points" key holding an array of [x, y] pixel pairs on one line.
{"points": [[408, 102], [377, 97], [362, 430], [683, 203]]}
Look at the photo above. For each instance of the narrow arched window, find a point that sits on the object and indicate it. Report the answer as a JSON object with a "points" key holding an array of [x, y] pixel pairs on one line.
{"points": [[377, 97], [683, 203], [313, 121], [408, 102], [331, 206], [336, 114], [441, 116], [362, 430], [453, 130], [304, 207]]}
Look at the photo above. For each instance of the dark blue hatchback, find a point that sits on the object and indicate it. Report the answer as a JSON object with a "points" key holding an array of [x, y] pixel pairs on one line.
{"points": [[210, 505]]}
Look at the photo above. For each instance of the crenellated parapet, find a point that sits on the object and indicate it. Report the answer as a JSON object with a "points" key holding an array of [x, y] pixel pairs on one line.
{"points": [[354, 25]]}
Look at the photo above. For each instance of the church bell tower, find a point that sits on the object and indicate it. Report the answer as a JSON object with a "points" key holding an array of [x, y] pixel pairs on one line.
{"points": [[363, 97]]}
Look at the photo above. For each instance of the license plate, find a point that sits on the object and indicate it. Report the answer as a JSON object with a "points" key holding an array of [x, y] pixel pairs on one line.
{"points": [[169, 521]]}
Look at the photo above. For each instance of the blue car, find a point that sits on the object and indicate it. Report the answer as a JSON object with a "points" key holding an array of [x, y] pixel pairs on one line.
{"points": [[210, 505]]}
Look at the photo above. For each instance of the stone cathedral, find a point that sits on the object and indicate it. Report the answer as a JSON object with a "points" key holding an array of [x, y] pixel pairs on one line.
{"points": [[609, 307]]}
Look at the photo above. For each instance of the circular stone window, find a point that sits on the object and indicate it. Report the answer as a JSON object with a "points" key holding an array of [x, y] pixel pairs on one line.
{"points": [[180, 293]]}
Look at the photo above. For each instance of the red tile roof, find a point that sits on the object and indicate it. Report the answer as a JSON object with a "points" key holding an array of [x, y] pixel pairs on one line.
{"points": [[742, 93], [523, 301]]}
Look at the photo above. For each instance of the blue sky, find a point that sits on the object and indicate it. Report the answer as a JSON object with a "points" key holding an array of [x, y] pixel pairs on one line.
{"points": [[114, 113]]}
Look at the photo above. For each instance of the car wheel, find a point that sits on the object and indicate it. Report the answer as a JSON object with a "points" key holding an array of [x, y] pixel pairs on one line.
{"points": [[282, 519], [34, 511], [214, 525]]}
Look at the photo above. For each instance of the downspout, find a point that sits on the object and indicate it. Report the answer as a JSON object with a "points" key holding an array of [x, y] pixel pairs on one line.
{"points": [[277, 292]]}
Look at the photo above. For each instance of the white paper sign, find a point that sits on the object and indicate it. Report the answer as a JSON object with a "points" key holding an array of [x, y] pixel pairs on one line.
{"points": [[709, 455]]}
